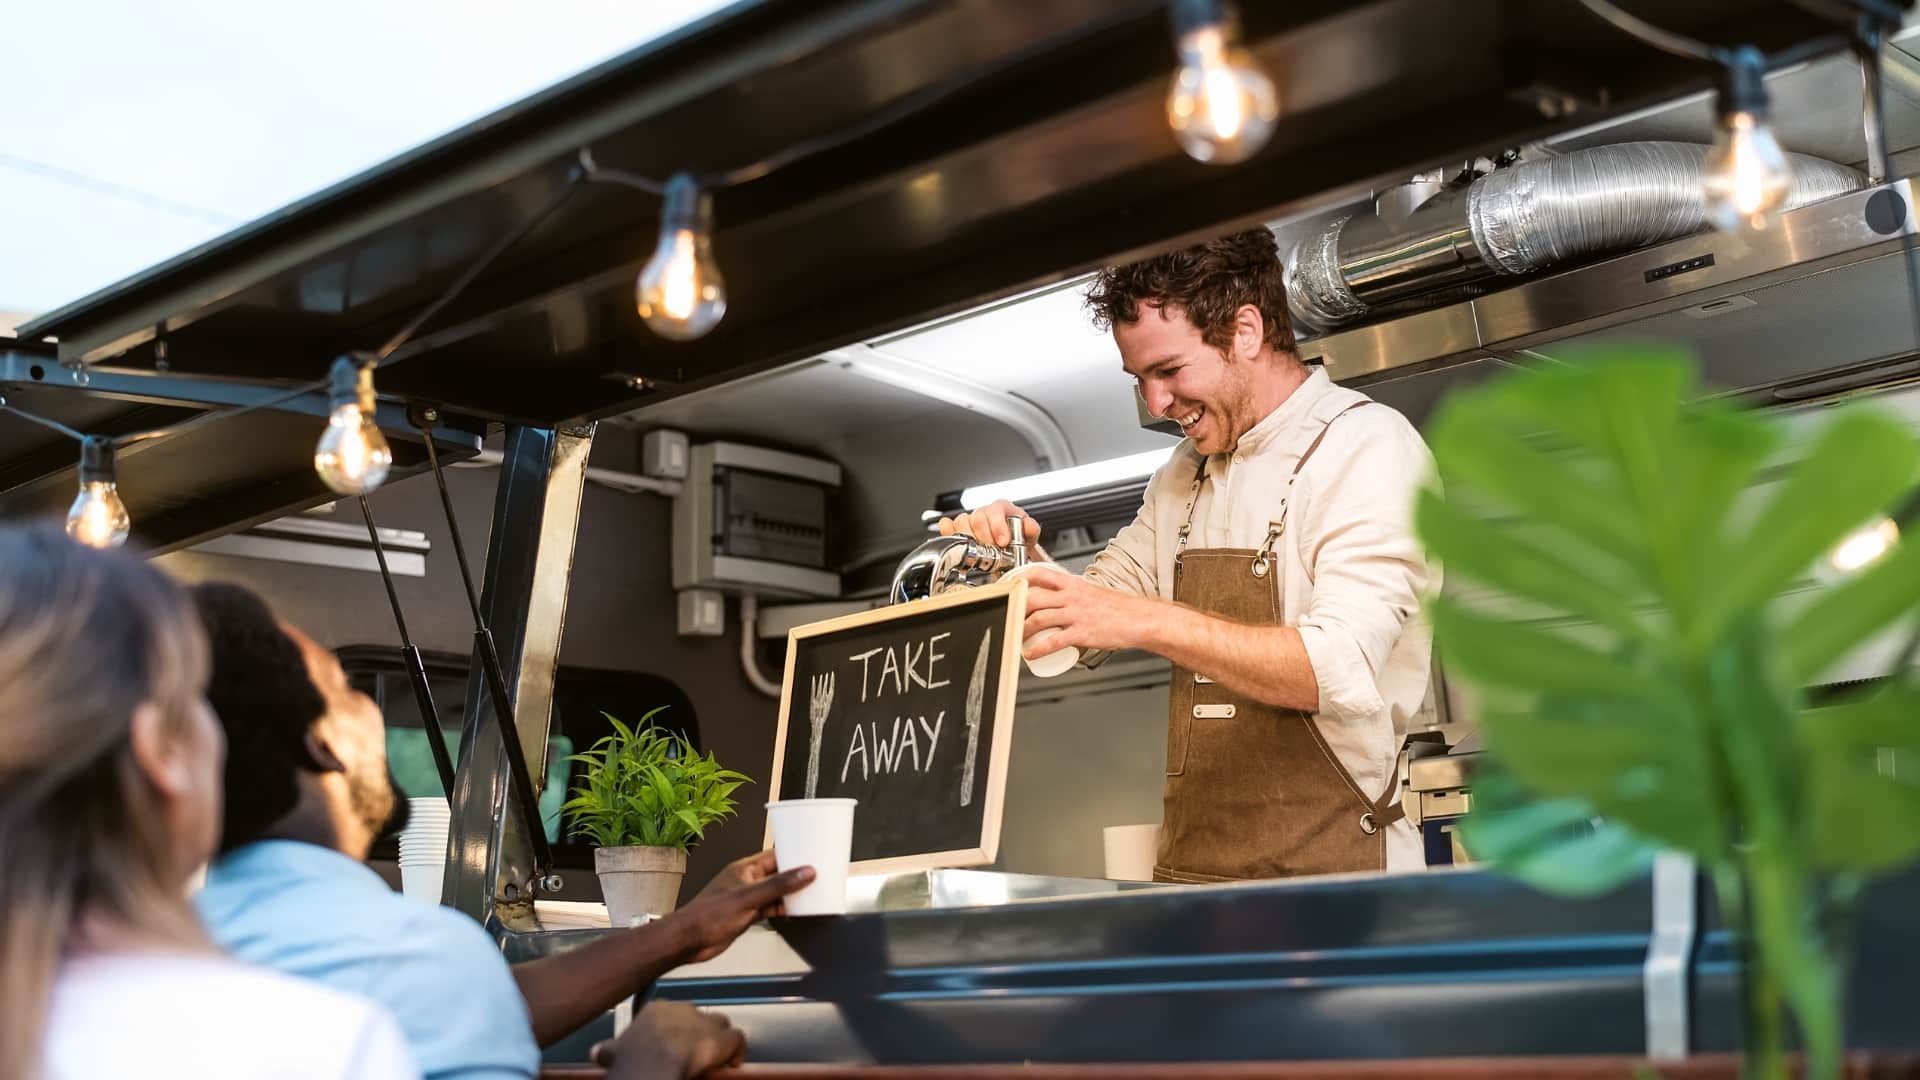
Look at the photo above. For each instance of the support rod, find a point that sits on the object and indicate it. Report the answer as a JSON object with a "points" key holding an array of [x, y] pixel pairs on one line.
{"points": [[488, 655], [416, 667]]}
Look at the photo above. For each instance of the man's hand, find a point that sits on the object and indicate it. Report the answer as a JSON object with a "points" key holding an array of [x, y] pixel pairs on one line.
{"points": [[671, 1040], [745, 892], [1087, 615], [989, 524]]}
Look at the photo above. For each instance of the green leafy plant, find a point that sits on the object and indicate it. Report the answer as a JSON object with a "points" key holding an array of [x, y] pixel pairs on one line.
{"points": [[1625, 563], [647, 787]]}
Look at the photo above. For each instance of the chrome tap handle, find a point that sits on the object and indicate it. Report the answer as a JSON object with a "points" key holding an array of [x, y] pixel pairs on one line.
{"points": [[943, 561]]}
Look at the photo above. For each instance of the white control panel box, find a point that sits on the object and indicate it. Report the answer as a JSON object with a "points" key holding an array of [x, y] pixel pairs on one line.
{"points": [[752, 520]]}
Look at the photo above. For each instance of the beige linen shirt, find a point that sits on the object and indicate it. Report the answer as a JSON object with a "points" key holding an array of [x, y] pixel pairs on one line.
{"points": [[1352, 573]]}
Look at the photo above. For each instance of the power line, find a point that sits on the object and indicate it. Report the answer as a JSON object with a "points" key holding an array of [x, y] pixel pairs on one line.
{"points": [[113, 190]]}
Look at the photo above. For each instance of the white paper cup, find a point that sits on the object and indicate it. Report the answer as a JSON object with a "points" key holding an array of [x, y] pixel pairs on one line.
{"points": [[816, 833], [1131, 851], [423, 848], [1058, 662], [422, 881]]}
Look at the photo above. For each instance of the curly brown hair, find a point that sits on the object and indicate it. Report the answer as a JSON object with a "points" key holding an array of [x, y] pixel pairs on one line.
{"points": [[1208, 282]]}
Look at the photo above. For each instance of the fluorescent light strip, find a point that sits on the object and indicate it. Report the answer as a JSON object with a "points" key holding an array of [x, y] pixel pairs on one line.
{"points": [[1079, 478]]}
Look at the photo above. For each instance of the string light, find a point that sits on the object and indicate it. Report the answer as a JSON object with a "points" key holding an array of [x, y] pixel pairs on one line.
{"points": [[353, 457], [1747, 176], [1862, 548], [680, 293], [98, 518], [1222, 107]]}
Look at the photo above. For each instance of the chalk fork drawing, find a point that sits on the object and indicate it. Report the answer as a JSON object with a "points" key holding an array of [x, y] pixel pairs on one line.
{"points": [[818, 705], [976, 697]]}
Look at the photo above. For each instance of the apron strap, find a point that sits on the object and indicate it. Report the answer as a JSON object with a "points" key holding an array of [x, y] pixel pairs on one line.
{"points": [[1380, 812], [1279, 524], [1318, 439]]}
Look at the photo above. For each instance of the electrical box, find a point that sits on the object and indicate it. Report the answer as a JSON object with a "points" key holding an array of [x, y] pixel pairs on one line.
{"points": [[751, 520], [663, 454], [702, 613]]}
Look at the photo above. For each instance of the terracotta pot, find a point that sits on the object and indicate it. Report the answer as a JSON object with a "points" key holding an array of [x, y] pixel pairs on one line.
{"points": [[639, 880]]}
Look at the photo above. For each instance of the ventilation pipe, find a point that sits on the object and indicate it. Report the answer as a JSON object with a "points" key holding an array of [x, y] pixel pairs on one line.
{"points": [[1518, 220]]}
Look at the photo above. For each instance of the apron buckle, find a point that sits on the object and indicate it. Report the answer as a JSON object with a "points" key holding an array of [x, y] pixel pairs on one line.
{"points": [[1264, 557], [1367, 824]]}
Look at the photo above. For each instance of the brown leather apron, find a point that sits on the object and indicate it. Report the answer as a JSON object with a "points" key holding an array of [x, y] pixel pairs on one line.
{"points": [[1253, 790]]}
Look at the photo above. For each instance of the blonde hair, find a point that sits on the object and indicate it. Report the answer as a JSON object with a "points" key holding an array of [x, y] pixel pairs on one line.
{"points": [[86, 638]]}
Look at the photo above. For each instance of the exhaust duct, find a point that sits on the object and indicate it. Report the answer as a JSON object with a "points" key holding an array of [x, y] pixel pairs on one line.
{"points": [[1518, 220]]}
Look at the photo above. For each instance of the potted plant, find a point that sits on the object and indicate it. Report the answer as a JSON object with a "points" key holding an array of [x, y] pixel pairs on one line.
{"points": [[645, 798], [1634, 612]]}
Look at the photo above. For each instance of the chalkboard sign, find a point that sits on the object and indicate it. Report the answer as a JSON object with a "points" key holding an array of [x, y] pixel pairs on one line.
{"points": [[909, 709]]}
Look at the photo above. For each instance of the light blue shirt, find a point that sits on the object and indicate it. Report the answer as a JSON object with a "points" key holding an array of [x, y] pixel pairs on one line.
{"points": [[313, 912]]}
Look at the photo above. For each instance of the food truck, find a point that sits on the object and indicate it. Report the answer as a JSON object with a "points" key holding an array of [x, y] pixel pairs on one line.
{"points": [[904, 200]]}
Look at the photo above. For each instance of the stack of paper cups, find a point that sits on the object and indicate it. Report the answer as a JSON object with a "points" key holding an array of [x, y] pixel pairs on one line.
{"points": [[423, 849]]}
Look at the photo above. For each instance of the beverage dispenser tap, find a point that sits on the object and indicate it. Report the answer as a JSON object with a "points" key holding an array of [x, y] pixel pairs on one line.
{"points": [[946, 562]]}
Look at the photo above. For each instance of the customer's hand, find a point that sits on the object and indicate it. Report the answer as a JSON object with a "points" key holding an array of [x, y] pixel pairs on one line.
{"points": [[740, 873], [745, 892], [671, 1040]]}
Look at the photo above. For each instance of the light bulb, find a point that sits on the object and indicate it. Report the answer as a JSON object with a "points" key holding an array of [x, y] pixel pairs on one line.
{"points": [[680, 293], [97, 517], [1222, 107], [1747, 177], [353, 456], [1862, 548]]}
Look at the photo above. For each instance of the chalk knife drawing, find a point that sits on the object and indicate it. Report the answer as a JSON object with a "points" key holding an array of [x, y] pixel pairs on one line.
{"points": [[976, 697], [818, 705]]}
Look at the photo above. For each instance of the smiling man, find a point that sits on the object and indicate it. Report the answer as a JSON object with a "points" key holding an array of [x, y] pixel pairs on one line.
{"points": [[1273, 562]]}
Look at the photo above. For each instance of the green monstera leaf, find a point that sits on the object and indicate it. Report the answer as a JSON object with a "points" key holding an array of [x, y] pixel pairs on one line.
{"points": [[1619, 552]]}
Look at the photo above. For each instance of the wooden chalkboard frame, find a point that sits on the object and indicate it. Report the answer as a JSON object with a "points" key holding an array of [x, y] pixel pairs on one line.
{"points": [[1011, 663]]}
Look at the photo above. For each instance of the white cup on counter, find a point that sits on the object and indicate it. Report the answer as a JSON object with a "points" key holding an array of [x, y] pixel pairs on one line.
{"points": [[1058, 662], [1130, 851], [816, 833]]}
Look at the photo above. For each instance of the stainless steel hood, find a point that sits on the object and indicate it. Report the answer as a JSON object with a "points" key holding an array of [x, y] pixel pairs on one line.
{"points": [[1814, 305]]}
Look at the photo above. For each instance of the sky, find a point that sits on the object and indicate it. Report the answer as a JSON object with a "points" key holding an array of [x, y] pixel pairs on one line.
{"points": [[131, 131]]}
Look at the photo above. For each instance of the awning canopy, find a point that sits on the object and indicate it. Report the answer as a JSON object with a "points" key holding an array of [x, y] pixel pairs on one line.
{"points": [[1040, 149], [215, 477]]}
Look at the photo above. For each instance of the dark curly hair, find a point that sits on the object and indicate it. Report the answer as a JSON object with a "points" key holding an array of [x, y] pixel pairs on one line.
{"points": [[1208, 282], [266, 702]]}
